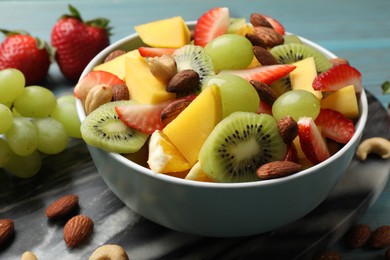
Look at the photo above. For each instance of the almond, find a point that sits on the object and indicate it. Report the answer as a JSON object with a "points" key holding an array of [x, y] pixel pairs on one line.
{"points": [[357, 236], [6, 230], [173, 109], [268, 35], [380, 238], [264, 56], [277, 169], [257, 19], [288, 129], [255, 40], [113, 55], [77, 230], [184, 81], [266, 93], [62, 207], [338, 61], [120, 92]]}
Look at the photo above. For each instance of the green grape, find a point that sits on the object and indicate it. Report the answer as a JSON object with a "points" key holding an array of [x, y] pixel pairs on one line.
{"points": [[237, 94], [12, 83], [52, 137], [5, 118], [230, 51], [24, 166], [296, 103], [5, 152], [35, 101], [66, 98], [66, 113], [22, 136]]}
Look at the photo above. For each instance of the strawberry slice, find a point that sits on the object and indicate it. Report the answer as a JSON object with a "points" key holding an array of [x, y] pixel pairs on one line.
{"points": [[93, 79], [154, 51], [338, 77], [264, 74], [335, 125], [311, 140], [210, 25], [275, 24], [142, 117]]}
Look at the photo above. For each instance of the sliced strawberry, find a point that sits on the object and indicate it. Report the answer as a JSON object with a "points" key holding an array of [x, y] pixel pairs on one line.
{"points": [[154, 51], [292, 153], [338, 77], [142, 117], [264, 74], [210, 25], [311, 141], [93, 79], [275, 24], [335, 125]]}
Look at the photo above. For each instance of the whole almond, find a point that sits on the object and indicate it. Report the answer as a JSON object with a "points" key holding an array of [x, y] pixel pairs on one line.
{"points": [[288, 128], [268, 35], [62, 207], [77, 230], [184, 81], [113, 55], [256, 40], [173, 109], [264, 56], [357, 236], [338, 61], [120, 92], [266, 93], [380, 238], [257, 19], [6, 230], [277, 169]]}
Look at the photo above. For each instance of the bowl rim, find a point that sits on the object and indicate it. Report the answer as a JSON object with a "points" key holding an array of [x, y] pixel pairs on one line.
{"points": [[360, 124]]}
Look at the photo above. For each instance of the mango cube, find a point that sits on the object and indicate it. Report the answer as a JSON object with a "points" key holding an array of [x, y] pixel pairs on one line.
{"points": [[343, 100], [115, 66]]}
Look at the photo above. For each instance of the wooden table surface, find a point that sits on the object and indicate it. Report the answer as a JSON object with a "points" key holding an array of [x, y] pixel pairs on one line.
{"points": [[357, 30]]}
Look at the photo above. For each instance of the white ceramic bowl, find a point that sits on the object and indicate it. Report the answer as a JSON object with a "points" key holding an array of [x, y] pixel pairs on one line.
{"points": [[220, 209]]}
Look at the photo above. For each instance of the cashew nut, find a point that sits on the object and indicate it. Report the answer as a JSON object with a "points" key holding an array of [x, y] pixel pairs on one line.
{"points": [[109, 252], [375, 145], [96, 97], [163, 68], [29, 256]]}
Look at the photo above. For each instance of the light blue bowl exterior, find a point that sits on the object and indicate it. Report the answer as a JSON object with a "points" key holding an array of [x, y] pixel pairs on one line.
{"points": [[220, 209]]}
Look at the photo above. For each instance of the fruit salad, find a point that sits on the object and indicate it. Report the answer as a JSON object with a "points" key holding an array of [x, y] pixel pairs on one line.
{"points": [[229, 99]]}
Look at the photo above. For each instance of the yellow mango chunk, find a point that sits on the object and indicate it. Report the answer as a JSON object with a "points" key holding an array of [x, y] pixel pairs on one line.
{"points": [[166, 33], [303, 75], [197, 174], [343, 100], [115, 66], [189, 130], [143, 86]]}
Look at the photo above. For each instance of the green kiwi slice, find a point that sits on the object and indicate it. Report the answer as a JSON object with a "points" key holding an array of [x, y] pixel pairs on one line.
{"points": [[239, 145], [292, 52], [195, 58], [291, 38], [103, 129], [282, 85]]}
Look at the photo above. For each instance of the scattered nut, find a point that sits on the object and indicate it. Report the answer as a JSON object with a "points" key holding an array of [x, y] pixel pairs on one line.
{"points": [[113, 55], [77, 230], [266, 93], [338, 61], [288, 129], [374, 145], [380, 238], [163, 68], [29, 256], [62, 207], [96, 97], [109, 252], [268, 35], [277, 169], [184, 81], [256, 40], [264, 56], [173, 109], [357, 236], [120, 92], [257, 19], [6, 230]]}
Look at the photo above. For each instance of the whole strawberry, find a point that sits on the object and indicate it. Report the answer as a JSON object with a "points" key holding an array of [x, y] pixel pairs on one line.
{"points": [[77, 42], [22, 51]]}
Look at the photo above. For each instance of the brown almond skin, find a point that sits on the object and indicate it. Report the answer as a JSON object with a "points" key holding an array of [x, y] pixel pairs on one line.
{"points": [[288, 129], [380, 238], [183, 82], [257, 19], [264, 56], [266, 93], [173, 109], [277, 169], [77, 230], [358, 236], [113, 55], [120, 92], [7, 229], [256, 40], [62, 207], [269, 36]]}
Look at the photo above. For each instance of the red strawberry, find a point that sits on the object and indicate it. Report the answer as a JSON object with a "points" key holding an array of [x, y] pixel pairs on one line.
{"points": [[77, 42], [338, 77], [311, 141], [142, 117], [264, 108], [264, 74], [30, 55], [93, 79], [335, 125], [275, 24], [154, 51], [210, 25]]}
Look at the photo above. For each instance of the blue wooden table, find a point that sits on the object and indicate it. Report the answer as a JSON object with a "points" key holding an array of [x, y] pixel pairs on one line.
{"points": [[357, 30]]}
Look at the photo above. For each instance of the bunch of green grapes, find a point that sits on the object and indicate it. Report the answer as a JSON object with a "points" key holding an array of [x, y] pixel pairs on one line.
{"points": [[33, 121]]}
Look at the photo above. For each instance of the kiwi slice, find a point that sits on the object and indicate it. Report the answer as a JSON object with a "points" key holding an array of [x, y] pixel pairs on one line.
{"points": [[282, 85], [239, 145], [292, 52], [195, 58], [103, 129], [291, 38]]}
